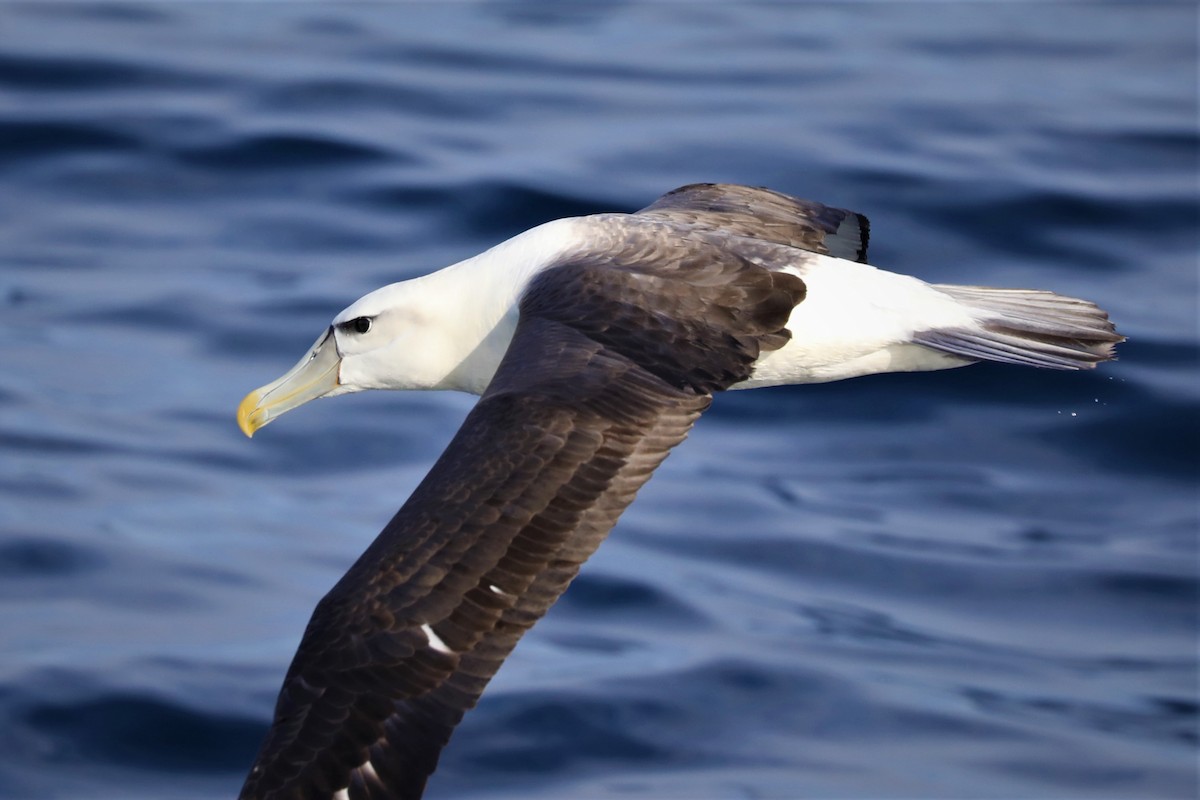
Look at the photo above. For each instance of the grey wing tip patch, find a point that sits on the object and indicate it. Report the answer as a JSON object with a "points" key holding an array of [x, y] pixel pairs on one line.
{"points": [[851, 239]]}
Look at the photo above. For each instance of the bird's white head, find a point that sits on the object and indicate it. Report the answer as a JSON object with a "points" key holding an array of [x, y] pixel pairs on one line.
{"points": [[445, 330], [401, 336]]}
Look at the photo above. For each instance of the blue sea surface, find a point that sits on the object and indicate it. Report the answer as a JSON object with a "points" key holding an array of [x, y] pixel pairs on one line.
{"points": [[980, 583]]}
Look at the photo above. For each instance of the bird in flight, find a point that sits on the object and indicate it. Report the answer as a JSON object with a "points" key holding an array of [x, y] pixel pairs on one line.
{"points": [[594, 343]]}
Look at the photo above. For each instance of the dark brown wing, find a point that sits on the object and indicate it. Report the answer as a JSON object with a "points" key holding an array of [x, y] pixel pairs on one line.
{"points": [[764, 214], [596, 387]]}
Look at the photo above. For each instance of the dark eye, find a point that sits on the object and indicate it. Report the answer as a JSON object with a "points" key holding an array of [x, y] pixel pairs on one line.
{"points": [[358, 324]]}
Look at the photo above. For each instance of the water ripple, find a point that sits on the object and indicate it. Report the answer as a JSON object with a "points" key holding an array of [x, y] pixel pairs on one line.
{"points": [[140, 730]]}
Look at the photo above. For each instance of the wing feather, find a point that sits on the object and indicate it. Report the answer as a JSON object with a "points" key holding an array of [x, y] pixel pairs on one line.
{"points": [[612, 361], [767, 215]]}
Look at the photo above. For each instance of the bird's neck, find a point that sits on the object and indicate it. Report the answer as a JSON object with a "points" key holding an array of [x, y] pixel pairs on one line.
{"points": [[497, 279]]}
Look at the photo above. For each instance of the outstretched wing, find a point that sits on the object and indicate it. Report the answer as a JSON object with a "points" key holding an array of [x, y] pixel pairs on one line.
{"points": [[613, 359], [767, 215]]}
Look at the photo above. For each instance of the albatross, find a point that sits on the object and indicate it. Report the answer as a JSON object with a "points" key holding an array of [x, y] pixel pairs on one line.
{"points": [[594, 343]]}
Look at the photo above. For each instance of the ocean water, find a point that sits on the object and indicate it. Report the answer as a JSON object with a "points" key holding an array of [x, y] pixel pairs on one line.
{"points": [[979, 583]]}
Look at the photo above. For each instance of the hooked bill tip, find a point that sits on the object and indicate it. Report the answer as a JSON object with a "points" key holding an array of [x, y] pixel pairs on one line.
{"points": [[249, 416]]}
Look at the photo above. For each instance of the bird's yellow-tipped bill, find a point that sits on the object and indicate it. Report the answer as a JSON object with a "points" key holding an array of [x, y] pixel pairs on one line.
{"points": [[314, 376]]}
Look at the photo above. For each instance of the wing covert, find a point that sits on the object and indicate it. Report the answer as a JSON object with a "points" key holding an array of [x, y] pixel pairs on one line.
{"points": [[764, 214]]}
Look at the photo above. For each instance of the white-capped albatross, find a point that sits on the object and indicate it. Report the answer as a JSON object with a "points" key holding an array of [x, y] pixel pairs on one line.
{"points": [[595, 343]]}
